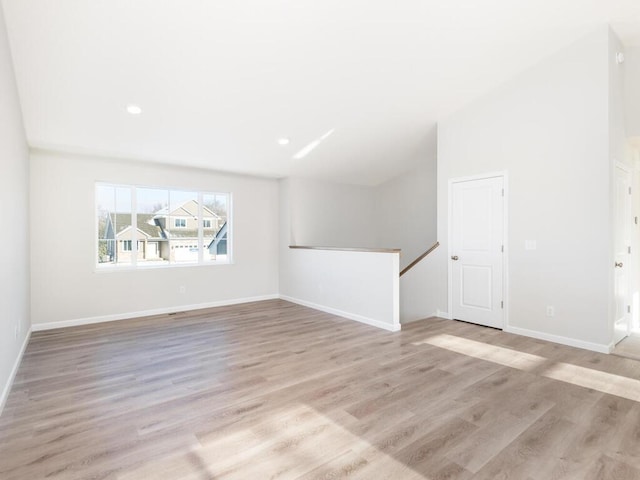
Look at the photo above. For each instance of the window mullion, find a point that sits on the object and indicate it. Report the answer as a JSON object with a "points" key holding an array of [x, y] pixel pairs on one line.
{"points": [[200, 228], [134, 228]]}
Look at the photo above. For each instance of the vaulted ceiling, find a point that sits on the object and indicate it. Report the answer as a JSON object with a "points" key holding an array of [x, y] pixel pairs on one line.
{"points": [[219, 82]]}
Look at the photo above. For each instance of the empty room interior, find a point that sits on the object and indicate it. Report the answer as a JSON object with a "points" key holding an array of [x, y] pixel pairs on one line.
{"points": [[320, 240]]}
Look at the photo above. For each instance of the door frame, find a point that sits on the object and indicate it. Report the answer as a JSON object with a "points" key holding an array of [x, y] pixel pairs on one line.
{"points": [[629, 171], [505, 236]]}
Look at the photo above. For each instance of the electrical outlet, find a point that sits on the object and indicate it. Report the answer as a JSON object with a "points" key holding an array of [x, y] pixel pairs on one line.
{"points": [[182, 289], [551, 311]]}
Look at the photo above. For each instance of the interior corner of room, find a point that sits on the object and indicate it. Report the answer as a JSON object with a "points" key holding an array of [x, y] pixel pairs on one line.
{"points": [[516, 209]]}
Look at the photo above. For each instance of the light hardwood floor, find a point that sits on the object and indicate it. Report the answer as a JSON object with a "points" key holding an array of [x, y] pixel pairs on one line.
{"points": [[629, 347], [276, 390]]}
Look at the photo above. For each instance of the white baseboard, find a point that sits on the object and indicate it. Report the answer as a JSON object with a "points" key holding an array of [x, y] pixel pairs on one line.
{"points": [[419, 319], [146, 313], [441, 314], [341, 313], [572, 342], [14, 371]]}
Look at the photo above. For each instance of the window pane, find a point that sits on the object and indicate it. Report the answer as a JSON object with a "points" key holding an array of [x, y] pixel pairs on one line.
{"points": [[215, 237], [153, 243], [114, 224], [172, 226], [183, 226]]}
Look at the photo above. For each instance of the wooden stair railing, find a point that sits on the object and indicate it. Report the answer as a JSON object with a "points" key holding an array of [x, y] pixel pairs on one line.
{"points": [[417, 260]]}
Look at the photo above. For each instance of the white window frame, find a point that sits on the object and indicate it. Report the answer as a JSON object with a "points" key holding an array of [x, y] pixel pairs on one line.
{"points": [[134, 265]]}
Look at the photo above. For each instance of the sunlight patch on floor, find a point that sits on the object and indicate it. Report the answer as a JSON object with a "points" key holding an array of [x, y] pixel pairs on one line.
{"points": [[286, 444], [595, 379], [610, 383], [484, 351]]}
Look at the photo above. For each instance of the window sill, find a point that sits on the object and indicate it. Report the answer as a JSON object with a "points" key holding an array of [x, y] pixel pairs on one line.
{"points": [[131, 268]]}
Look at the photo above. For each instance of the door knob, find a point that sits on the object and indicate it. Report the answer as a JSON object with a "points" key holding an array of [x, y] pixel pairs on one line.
{"points": [[455, 257], [619, 264]]}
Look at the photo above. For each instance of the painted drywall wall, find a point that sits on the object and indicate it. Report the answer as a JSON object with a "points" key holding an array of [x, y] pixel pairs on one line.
{"points": [[405, 211], [400, 213], [356, 285], [548, 129], [619, 153], [420, 288], [331, 214], [632, 91], [14, 243], [618, 146], [635, 241], [362, 286], [65, 283]]}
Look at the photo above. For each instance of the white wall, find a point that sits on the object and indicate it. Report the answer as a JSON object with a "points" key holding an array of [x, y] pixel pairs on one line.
{"points": [[65, 284], [356, 285], [362, 286], [618, 145], [400, 213], [619, 153], [635, 240], [420, 289], [331, 214], [632, 91], [548, 128], [14, 242], [405, 211]]}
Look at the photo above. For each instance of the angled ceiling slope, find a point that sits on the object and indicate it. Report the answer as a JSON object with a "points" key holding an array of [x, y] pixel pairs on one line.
{"points": [[220, 82]]}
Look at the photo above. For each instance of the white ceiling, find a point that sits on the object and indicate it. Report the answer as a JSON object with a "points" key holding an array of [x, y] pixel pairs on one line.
{"points": [[220, 81]]}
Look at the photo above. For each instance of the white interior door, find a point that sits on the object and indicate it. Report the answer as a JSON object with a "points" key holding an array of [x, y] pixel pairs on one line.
{"points": [[622, 245], [477, 231]]}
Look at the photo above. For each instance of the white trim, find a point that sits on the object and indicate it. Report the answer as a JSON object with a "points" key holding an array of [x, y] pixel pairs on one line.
{"points": [[622, 166], [421, 319], [479, 176], [134, 264], [441, 314], [505, 256], [7, 388], [351, 316], [572, 342], [127, 228], [128, 268], [449, 247], [200, 225], [505, 241], [629, 298], [147, 313]]}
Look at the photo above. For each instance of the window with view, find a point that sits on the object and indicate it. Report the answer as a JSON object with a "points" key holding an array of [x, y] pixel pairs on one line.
{"points": [[145, 226]]}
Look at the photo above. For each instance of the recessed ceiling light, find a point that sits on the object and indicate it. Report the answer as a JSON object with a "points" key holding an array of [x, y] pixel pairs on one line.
{"points": [[134, 109], [283, 141]]}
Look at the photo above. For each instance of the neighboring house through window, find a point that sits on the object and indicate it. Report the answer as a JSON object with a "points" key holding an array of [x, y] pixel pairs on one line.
{"points": [[169, 226]]}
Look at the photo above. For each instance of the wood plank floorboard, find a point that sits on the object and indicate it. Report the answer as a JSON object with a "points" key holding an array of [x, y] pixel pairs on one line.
{"points": [[274, 390]]}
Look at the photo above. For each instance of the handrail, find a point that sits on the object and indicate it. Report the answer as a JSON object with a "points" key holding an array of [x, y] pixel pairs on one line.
{"points": [[348, 249], [417, 260]]}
